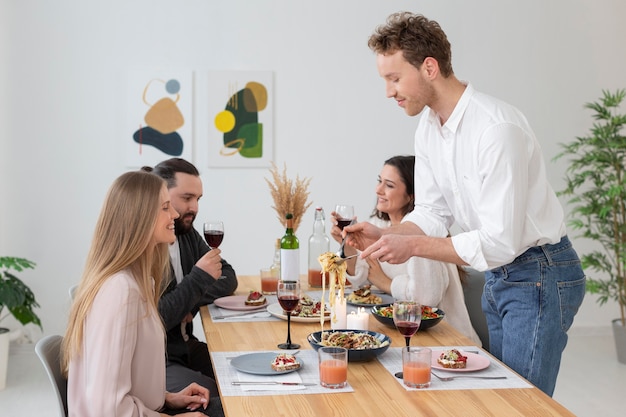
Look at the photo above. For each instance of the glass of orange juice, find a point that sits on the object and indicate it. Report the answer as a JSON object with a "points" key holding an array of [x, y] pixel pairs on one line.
{"points": [[416, 363], [269, 281], [333, 366]]}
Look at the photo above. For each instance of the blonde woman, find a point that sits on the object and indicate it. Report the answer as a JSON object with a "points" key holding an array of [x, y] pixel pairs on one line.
{"points": [[114, 346]]}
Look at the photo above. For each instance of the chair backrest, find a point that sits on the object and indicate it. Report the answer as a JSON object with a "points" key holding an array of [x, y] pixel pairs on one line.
{"points": [[49, 351], [72, 291], [473, 291]]}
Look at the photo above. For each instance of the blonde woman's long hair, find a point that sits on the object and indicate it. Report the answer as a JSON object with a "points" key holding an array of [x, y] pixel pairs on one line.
{"points": [[123, 239]]}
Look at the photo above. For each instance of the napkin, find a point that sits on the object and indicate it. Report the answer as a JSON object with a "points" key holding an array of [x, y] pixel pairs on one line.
{"points": [[290, 377]]}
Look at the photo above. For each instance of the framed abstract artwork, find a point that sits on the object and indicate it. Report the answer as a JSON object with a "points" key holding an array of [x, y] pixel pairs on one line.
{"points": [[159, 117], [240, 113]]}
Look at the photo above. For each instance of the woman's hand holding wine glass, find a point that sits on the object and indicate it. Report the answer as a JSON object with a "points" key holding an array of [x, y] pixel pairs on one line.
{"points": [[288, 293]]}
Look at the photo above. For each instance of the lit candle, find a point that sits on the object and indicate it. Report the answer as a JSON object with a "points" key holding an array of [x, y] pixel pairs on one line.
{"points": [[338, 313], [357, 320]]}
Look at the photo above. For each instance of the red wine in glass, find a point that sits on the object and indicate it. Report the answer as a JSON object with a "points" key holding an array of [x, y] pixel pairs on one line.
{"points": [[214, 237], [288, 302], [214, 233], [288, 294], [407, 328], [341, 222]]}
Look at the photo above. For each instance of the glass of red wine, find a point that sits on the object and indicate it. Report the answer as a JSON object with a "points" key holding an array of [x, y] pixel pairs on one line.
{"points": [[344, 214], [288, 293], [407, 316], [214, 233]]}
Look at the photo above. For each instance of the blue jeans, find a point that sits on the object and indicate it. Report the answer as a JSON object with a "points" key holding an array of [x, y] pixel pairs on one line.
{"points": [[530, 304]]}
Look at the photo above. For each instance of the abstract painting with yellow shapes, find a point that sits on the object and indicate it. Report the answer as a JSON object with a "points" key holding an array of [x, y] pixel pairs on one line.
{"points": [[159, 122], [240, 118]]}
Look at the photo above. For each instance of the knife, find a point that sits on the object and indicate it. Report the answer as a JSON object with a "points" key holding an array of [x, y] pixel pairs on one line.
{"points": [[262, 313], [307, 384]]}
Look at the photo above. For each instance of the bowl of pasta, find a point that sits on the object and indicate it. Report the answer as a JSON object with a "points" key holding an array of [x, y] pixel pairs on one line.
{"points": [[431, 316], [362, 345]]}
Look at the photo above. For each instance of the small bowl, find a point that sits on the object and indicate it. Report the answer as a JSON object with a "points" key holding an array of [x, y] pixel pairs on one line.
{"points": [[354, 355], [426, 323]]}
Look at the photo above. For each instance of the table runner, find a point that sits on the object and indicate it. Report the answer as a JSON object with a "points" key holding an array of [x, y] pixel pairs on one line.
{"points": [[392, 361], [226, 374]]}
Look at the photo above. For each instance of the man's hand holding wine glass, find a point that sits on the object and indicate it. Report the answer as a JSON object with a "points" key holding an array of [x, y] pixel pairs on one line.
{"points": [[211, 263]]}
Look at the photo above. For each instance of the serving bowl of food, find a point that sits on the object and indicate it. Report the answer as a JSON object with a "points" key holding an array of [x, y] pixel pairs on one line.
{"points": [[431, 316], [362, 345]]}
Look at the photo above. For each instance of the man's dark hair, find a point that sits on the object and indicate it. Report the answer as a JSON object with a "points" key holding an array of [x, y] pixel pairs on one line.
{"points": [[168, 169]]}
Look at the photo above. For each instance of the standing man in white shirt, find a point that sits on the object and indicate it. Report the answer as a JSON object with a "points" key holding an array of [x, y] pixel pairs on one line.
{"points": [[481, 167]]}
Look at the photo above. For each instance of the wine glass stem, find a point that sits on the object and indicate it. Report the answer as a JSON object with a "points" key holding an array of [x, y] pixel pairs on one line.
{"points": [[408, 340], [289, 328]]}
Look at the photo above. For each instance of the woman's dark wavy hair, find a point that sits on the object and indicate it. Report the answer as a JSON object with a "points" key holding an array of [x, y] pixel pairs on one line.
{"points": [[405, 164]]}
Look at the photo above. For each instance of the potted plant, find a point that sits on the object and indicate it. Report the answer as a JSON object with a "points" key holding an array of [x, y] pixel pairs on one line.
{"points": [[596, 183], [19, 302]]}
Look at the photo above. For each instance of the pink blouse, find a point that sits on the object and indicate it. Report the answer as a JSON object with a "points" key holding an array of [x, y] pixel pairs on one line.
{"points": [[121, 367]]}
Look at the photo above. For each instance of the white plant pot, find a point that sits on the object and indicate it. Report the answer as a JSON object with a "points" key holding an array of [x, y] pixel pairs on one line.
{"points": [[6, 336], [4, 356], [619, 334]]}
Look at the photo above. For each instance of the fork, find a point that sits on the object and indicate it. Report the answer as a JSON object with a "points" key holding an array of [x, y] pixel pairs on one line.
{"points": [[342, 260], [246, 315], [450, 378]]}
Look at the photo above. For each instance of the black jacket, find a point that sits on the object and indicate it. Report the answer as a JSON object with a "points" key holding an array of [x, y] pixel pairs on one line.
{"points": [[196, 289]]}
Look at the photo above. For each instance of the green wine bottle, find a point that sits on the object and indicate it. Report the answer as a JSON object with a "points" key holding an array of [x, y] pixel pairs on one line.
{"points": [[289, 253]]}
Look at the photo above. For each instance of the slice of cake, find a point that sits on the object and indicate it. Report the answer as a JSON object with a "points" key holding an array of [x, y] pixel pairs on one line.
{"points": [[285, 362], [452, 359], [255, 298]]}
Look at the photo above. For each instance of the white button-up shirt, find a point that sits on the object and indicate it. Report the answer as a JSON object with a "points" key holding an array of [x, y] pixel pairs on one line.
{"points": [[484, 170]]}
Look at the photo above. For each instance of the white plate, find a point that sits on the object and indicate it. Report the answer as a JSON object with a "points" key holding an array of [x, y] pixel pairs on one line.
{"points": [[259, 364], [475, 362], [236, 302], [277, 311], [386, 299]]}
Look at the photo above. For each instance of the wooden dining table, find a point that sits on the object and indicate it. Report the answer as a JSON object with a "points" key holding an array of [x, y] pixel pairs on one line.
{"points": [[376, 392]]}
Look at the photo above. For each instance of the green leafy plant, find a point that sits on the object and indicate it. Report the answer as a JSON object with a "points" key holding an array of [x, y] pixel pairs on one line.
{"points": [[596, 183], [14, 294]]}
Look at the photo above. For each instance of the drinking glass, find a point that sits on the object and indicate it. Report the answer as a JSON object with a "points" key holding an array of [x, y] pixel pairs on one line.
{"points": [[288, 296], [344, 214], [407, 316], [416, 364], [214, 233], [333, 361]]}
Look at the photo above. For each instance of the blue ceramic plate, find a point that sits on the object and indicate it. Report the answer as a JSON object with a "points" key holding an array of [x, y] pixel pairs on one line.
{"points": [[259, 363], [354, 355], [425, 324]]}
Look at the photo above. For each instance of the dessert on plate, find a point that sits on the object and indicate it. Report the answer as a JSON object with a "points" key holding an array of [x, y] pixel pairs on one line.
{"points": [[452, 359], [255, 298], [285, 362]]}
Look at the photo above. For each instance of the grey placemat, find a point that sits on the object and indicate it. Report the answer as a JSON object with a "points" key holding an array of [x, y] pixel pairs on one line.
{"points": [[226, 374]]}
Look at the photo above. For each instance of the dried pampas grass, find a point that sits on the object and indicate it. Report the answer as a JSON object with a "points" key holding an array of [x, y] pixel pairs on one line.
{"points": [[289, 197]]}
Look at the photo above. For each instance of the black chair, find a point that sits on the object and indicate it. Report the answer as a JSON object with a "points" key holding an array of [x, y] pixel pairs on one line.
{"points": [[473, 291], [49, 351]]}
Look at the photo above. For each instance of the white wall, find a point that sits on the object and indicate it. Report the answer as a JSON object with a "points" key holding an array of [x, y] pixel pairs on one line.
{"points": [[62, 98]]}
